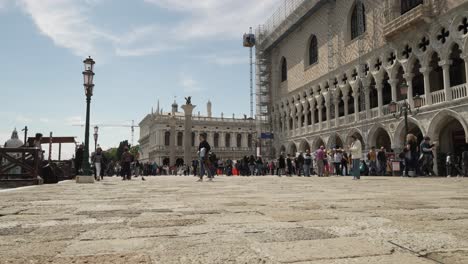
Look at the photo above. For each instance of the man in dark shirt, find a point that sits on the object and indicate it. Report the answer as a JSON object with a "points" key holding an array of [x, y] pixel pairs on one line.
{"points": [[300, 165], [203, 150], [78, 159], [427, 157], [125, 162], [382, 159], [281, 165], [289, 164]]}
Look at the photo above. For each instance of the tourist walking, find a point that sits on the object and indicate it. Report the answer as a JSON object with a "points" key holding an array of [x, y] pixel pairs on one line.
{"points": [[300, 164], [372, 157], [125, 162], [203, 150], [427, 157], [338, 157], [281, 165], [465, 162], [382, 159], [252, 165], [307, 163], [356, 153], [320, 157], [97, 160], [78, 159], [411, 155], [449, 164], [290, 166], [344, 163]]}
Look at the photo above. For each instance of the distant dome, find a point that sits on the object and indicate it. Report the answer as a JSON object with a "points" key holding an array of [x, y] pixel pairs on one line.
{"points": [[14, 142]]}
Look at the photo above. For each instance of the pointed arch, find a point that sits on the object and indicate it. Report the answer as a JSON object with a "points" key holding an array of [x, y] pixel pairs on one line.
{"points": [[313, 50], [379, 137], [358, 16], [441, 118], [414, 127], [355, 132], [317, 143], [304, 146]]}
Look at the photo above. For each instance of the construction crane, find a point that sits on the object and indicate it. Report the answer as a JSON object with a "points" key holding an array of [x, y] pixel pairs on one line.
{"points": [[132, 127]]}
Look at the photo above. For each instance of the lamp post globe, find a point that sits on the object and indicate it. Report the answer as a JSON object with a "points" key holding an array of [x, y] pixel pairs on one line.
{"points": [[417, 101], [404, 88], [88, 83], [393, 107]]}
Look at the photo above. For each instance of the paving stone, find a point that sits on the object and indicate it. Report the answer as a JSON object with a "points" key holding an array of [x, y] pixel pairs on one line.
{"points": [[297, 251]]}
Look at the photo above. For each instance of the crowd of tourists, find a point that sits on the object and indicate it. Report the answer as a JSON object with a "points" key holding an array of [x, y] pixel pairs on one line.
{"points": [[416, 159]]}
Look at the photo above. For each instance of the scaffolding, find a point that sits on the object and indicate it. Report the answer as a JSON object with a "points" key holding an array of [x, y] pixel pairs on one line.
{"points": [[263, 99]]}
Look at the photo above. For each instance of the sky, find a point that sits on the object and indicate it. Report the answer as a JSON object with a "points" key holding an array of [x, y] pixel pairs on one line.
{"points": [[144, 50]]}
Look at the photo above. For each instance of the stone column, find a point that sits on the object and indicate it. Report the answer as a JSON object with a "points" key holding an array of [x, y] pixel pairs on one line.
{"points": [[409, 80], [379, 87], [356, 105], [188, 109], [465, 58], [293, 116], [172, 139], [367, 100], [320, 107], [337, 110], [447, 88], [427, 84], [312, 111], [346, 106], [328, 112], [393, 83]]}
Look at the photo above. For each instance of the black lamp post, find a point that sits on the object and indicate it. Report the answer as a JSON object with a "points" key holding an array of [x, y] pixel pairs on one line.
{"points": [[96, 130], [405, 107], [88, 76]]}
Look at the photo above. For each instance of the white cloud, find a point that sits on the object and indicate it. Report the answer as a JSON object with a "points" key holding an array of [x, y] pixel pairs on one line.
{"points": [[220, 18], [74, 120], [67, 23], [225, 60], [189, 84], [23, 119]]}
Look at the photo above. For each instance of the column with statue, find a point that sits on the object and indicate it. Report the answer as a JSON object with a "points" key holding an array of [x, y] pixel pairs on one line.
{"points": [[188, 109]]}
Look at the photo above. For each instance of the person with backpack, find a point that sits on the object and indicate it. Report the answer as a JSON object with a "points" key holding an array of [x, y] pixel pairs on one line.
{"points": [[203, 150], [427, 157], [98, 160], [125, 162]]}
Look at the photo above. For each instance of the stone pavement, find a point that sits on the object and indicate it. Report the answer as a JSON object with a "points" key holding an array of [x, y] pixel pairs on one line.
{"points": [[238, 220]]}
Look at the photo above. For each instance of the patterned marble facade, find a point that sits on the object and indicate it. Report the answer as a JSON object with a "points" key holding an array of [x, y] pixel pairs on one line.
{"points": [[331, 80]]}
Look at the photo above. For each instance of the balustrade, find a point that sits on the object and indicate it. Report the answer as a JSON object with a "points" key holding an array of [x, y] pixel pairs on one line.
{"points": [[459, 91], [438, 97]]}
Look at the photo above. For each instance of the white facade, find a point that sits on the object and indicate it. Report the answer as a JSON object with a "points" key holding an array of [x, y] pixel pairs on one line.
{"points": [[347, 87], [229, 137]]}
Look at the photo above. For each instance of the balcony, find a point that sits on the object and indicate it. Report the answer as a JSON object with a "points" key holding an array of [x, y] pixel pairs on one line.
{"points": [[410, 18]]}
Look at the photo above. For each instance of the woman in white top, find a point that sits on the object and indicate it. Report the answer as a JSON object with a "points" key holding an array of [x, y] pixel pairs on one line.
{"points": [[356, 153]]}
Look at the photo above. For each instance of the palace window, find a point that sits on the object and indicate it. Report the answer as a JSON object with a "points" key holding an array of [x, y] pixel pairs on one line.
{"points": [[313, 50], [358, 20], [167, 138], [407, 5], [284, 70]]}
